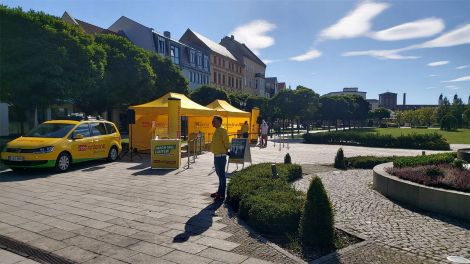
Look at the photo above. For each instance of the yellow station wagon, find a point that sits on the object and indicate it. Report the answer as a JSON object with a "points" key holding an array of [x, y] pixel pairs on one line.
{"points": [[60, 143]]}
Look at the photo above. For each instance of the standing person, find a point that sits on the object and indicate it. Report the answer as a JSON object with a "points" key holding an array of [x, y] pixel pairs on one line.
{"points": [[264, 134], [245, 129], [219, 146]]}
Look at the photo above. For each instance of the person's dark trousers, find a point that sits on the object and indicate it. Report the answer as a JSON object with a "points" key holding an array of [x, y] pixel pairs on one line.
{"points": [[219, 164], [245, 135]]}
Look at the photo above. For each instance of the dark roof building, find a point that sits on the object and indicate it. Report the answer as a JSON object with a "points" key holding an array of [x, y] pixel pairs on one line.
{"points": [[87, 27]]}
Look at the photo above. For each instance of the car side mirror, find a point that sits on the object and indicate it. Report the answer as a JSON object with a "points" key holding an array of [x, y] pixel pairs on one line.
{"points": [[77, 136]]}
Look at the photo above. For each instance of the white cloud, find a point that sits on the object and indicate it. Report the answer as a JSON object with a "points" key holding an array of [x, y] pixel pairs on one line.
{"points": [[416, 29], [461, 79], [459, 36], [433, 75], [431, 87], [438, 63], [462, 67], [452, 87], [355, 23], [380, 54], [309, 55], [254, 34]]}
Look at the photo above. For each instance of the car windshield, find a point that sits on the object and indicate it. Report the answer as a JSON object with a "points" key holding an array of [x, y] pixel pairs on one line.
{"points": [[48, 130]]}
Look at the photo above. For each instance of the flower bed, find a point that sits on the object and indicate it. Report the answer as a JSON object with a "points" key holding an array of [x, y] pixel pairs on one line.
{"points": [[442, 176]]}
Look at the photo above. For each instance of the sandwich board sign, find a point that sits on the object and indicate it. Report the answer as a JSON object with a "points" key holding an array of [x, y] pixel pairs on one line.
{"points": [[239, 152]]}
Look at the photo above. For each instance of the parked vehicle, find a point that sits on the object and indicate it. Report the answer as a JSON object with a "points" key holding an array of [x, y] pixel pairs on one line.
{"points": [[60, 143]]}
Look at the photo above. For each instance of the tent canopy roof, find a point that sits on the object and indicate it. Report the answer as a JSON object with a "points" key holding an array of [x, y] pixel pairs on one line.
{"points": [[188, 107], [228, 109]]}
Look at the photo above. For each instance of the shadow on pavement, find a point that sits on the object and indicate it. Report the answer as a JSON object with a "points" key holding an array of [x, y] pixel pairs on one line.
{"points": [[199, 223], [150, 172]]}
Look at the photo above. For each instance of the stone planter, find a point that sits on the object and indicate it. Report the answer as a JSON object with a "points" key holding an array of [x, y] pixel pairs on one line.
{"points": [[437, 200], [464, 154]]}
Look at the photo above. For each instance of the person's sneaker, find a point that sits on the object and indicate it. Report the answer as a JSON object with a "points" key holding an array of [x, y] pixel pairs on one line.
{"points": [[214, 194], [219, 197]]}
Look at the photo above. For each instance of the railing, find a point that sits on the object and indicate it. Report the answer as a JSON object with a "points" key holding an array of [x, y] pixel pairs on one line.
{"points": [[197, 143]]}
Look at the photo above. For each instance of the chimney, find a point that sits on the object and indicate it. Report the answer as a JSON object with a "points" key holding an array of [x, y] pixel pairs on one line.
{"points": [[167, 34], [404, 98], [232, 37]]}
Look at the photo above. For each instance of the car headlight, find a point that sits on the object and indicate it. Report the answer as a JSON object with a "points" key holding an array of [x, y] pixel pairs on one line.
{"points": [[43, 150]]}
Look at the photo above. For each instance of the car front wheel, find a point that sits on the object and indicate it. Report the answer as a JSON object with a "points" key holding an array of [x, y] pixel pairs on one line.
{"points": [[113, 154], [63, 162]]}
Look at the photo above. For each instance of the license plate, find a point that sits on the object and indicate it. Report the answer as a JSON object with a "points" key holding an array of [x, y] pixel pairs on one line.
{"points": [[15, 158]]}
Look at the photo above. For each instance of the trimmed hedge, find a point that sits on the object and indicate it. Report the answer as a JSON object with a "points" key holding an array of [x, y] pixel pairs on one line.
{"points": [[269, 205], [432, 141], [367, 162], [434, 159]]}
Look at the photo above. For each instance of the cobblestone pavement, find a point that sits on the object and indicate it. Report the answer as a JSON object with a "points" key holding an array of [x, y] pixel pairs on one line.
{"points": [[412, 234], [124, 212], [7, 257]]}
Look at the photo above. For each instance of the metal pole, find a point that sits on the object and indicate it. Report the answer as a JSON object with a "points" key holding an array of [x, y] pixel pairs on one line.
{"points": [[194, 149], [187, 152]]}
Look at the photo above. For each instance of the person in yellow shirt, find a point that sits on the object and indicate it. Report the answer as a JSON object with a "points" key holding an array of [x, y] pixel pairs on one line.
{"points": [[219, 146], [245, 129]]}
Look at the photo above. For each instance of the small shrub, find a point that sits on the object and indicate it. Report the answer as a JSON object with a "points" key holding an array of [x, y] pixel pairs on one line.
{"points": [[287, 159], [339, 160], [316, 227], [458, 164], [434, 171]]}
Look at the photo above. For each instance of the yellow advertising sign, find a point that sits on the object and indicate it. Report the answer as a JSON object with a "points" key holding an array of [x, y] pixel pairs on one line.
{"points": [[165, 154]]}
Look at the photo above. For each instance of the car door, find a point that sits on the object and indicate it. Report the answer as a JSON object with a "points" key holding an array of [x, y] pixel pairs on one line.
{"points": [[101, 142], [82, 148]]}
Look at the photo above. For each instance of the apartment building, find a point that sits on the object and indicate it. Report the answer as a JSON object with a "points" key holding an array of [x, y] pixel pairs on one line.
{"points": [[193, 62], [271, 86], [253, 81], [226, 72]]}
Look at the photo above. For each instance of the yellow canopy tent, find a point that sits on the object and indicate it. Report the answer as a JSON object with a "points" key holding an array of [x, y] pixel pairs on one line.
{"points": [[233, 117], [152, 119]]}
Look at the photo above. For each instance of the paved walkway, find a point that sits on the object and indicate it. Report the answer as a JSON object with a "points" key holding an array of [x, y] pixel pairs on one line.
{"points": [[7, 257], [124, 212]]}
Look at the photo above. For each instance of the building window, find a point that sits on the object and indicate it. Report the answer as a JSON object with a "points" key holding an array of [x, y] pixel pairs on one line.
{"points": [[223, 79], [199, 60], [175, 54], [206, 62], [161, 45], [215, 77], [219, 82], [192, 57]]}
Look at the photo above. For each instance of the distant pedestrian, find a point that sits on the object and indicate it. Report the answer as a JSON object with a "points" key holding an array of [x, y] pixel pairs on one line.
{"points": [[219, 146], [245, 129], [264, 134]]}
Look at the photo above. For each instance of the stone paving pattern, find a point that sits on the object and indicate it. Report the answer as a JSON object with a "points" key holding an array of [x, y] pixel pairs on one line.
{"points": [[124, 212], [360, 209]]}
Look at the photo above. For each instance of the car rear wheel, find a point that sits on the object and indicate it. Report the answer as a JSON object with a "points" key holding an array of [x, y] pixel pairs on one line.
{"points": [[113, 154], [63, 162]]}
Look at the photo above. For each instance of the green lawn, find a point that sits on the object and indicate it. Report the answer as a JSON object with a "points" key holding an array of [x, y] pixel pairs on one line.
{"points": [[461, 136]]}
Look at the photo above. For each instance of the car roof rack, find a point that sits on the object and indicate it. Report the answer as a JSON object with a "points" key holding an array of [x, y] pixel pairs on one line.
{"points": [[82, 117]]}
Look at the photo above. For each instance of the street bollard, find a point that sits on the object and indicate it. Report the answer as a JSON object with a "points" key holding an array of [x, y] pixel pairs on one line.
{"points": [[274, 171]]}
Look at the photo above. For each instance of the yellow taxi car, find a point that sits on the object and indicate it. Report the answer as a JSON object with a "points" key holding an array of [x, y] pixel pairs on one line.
{"points": [[59, 143]]}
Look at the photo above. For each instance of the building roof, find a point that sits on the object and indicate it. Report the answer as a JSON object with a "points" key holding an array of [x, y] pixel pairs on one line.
{"points": [[238, 48], [87, 27], [215, 47], [387, 93]]}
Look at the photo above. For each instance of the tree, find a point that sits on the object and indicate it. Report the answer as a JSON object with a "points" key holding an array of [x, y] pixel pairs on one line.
{"points": [[169, 76], [128, 77], [206, 94], [43, 60], [466, 116], [308, 102], [381, 113]]}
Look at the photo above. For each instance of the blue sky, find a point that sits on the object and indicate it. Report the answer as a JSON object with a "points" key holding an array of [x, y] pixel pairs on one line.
{"points": [[419, 47]]}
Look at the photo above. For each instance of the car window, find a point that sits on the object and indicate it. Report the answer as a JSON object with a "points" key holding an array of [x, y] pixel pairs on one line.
{"points": [[50, 130], [110, 128], [83, 129], [98, 129]]}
